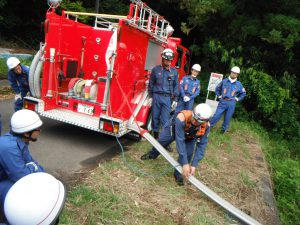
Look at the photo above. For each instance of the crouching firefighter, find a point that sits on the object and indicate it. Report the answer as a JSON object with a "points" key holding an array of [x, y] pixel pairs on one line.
{"points": [[190, 129], [15, 158]]}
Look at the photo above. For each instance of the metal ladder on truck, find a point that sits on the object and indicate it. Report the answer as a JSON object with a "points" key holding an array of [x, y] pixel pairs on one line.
{"points": [[146, 19]]}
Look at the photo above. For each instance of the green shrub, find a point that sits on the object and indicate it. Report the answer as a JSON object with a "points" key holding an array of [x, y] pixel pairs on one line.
{"points": [[286, 177]]}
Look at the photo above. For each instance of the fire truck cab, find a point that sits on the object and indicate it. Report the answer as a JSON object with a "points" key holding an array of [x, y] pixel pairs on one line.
{"points": [[96, 77]]}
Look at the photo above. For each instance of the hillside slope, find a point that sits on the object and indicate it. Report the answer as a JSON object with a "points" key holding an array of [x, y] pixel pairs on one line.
{"points": [[130, 191]]}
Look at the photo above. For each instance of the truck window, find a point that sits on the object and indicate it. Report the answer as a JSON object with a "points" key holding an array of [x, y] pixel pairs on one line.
{"points": [[179, 60], [153, 55], [187, 62]]}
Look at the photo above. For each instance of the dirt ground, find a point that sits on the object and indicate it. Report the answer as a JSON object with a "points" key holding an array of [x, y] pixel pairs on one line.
{"points": [[6, 93]]}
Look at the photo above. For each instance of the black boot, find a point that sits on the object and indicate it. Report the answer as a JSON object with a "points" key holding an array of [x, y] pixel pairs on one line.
{"points": [[178, 178], [147, 156], [169, 148], [155, 134]]}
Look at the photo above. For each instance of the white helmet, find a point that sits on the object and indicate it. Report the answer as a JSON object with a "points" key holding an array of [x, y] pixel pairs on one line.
{"points": [[37, 198], [202, 112], [54, 2], [167, 54], [235, 69], [169, 30], [196, 67], [24, 121], [12, 62]]}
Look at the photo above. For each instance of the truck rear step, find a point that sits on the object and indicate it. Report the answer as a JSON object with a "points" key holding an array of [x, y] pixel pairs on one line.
{"points": [[66, 116]]}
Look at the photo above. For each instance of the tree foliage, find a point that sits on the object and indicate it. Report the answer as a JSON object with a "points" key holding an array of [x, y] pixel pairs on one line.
{"points": [[262, 37]]}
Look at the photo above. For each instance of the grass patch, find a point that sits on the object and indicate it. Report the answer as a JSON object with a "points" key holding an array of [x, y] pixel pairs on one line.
{"points": [[5, 91], [246, 180], [131, 191], [4, 69]]}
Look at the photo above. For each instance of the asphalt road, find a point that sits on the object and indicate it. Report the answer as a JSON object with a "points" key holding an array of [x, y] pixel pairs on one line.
{"points": [[66, 150]]}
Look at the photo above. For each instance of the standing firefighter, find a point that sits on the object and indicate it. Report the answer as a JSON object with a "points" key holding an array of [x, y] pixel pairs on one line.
{"points": [[163, 89], [189, 129], [18, 79], [189, 89], [229, 91]]}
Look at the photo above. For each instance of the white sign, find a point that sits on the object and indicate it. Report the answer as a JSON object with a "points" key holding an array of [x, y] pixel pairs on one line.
{"points": [[215, 79], [86, 109]]}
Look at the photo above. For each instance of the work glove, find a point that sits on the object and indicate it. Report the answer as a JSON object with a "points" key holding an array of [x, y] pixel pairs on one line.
{"points": [[236, 99], [17, 97], [186, 98], [173, 106]]}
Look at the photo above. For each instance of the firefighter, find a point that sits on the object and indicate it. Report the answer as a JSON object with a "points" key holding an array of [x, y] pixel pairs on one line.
{"points": [[18, 79], [229, 91], [189, 128], [189, 89], [163, 89], [15, 158]]}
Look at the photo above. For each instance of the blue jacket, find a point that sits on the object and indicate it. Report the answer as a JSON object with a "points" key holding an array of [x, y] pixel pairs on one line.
{"points": [[181, 144], [190, 86], [226, 89], [14, 155], [19, 82], [163, 81]]}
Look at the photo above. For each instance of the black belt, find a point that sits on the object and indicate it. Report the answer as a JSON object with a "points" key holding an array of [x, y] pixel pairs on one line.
{"points": [[228, 99], [163, 94]]}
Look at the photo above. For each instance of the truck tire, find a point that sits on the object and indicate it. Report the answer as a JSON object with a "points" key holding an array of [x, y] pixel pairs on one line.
{"points": [[137, 137]]}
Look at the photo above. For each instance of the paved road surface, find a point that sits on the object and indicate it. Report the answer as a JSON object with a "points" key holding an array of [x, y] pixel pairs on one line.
{"points": [[65, 149]]}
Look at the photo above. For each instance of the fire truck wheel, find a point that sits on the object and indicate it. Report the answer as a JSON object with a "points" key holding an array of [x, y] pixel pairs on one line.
{"points": [[137, 137], [148, 125]]}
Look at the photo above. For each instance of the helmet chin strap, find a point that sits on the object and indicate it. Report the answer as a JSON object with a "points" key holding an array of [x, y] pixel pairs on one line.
{"points": [[30, 137], [26, 137], [232, 80]]}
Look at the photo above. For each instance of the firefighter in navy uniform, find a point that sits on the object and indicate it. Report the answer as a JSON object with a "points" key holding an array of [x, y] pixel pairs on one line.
{"points": [[164, 91], [190, 129], [15, 158], [189, 89], [18, 79], [229, 92]]}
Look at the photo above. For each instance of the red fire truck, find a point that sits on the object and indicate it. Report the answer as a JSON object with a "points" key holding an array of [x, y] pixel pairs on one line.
{"points": [[96, 76]]}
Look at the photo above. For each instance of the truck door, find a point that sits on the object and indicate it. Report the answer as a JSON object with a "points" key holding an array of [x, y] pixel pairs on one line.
{"points": [[183, 61]]}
